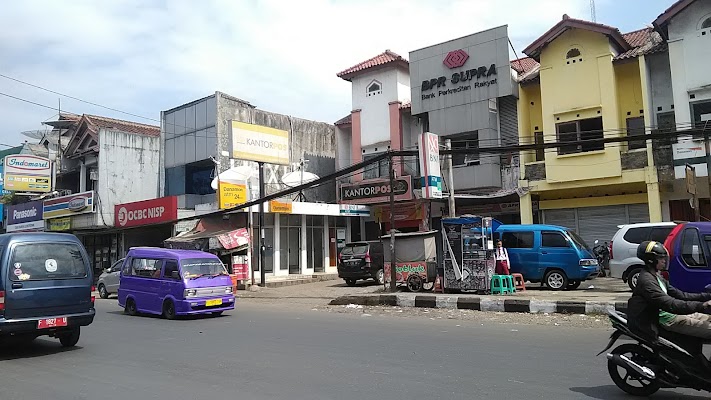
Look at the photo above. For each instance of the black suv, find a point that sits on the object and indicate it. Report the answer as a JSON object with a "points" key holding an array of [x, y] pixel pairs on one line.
{"points": [[361, 260]]}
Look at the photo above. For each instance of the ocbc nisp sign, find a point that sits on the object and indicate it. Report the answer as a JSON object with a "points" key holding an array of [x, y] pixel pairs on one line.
{"points": [[155, 211]]}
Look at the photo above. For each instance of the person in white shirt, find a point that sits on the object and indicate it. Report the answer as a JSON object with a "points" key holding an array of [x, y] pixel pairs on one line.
{"points": [[502, 259]]}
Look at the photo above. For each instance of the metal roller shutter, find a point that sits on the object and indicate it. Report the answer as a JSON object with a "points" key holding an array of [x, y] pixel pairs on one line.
{"points": [[561, 217], [600, 223], [638, 213]]}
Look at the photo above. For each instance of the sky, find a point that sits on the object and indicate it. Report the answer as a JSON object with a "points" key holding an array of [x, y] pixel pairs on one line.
{"points": [[145, 56]]}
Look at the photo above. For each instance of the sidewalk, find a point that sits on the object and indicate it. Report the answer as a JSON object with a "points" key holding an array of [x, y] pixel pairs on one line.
{"points": [[593, 297]]}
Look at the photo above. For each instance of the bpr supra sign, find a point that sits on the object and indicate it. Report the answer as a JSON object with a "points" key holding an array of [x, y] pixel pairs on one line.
{"points": [[26, 173], [377, 191], [154, 211], [259, 143]]}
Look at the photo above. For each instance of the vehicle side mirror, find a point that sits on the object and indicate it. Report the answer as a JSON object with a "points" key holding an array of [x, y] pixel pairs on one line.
{"points": [[597, 241], [107, 270], [175, 275]]}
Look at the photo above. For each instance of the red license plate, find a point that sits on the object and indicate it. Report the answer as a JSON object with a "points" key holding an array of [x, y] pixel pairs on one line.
{"points": [[51, 323]]}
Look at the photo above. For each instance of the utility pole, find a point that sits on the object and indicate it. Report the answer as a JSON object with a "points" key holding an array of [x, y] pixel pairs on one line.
{"points": [[260, 238], [450, 179], [393, 263], [705, 119], [691, 189]]}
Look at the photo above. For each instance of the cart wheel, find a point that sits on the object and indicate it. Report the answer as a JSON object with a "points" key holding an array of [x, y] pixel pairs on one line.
{"points": [[428, 286], [414, 283]]}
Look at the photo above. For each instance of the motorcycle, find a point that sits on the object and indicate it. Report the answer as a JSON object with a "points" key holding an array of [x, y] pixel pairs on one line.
{"points": [[670, 361], [602, 253]]}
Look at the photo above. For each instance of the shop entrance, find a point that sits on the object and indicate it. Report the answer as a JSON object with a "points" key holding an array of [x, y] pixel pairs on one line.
{"points": [[314, 243], [290, 243]]}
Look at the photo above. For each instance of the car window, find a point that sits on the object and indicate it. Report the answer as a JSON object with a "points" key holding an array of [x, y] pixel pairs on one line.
{"points": [[577, 239], [170, 267], [691, 250], [47, 261], [194, 267], [117, 266], [553, 239], [638, 235], [146, 267], [517, 240], [660, 234], [355, 249]]}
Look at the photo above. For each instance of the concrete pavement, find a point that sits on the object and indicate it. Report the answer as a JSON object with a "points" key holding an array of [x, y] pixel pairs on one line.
{"points": [[286, 351]]}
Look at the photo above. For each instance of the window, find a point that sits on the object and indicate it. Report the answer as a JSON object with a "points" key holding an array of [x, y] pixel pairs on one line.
{"points": [[145, 267], [540, 153], [375, 170], [702, 114], [637, 235], [47, 262], [517, 240], [468, 141], [553, 239], [198, 177], [572, 56], [635, 127], [374, 88], [706, 24], [660, 234], [576, 131], [170, 267], [691, 250], [666, 121], [197, 267]]}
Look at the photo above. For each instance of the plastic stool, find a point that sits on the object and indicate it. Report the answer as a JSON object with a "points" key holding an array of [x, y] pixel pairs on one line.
{"points": [[519, 282], [501, 284], [510, 283]]}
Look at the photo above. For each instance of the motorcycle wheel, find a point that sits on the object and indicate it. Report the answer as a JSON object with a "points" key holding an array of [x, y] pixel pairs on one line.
{"points": [[633, 385]]}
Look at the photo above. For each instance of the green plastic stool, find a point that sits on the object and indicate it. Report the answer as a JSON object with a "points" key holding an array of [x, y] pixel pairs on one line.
{"points": [[502, 284]]}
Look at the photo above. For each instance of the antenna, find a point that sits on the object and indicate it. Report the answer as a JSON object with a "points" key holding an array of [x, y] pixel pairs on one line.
{"points": [[593, 17]]}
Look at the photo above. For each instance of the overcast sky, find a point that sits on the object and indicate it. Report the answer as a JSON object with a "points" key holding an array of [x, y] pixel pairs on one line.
{"points": [[144, 56]]}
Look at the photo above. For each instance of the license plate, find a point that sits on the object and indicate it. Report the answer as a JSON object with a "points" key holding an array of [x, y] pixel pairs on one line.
{"points": [[51, 323], [215, 302]]}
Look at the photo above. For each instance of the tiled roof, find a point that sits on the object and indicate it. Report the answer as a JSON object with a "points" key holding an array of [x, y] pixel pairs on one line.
{"points": [[524, 64], [123, 126], [384, 58], [344, 121], [643, 41]]}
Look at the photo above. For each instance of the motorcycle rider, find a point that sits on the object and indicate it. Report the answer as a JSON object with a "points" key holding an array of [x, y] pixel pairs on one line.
{"points": [[654, 302]]}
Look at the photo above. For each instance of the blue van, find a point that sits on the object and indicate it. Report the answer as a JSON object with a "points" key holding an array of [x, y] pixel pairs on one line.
{"points": [[45, 286], [550, 254]]}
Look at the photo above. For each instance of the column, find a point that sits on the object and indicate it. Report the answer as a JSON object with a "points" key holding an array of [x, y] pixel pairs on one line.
{"points": [[396, 131], [277, 246], [362, 228], [356, 149], [305, 268], [348, 230], [326, 246], [82, 177], [526, 205], [655, 202]]}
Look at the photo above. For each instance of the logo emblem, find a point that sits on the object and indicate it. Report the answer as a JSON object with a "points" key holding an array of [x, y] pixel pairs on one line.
{"points": [[122, 216], [77, 204], [455, 59]]}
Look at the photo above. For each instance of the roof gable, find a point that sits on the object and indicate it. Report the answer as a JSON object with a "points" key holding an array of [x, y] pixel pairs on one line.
{"points": [[662, 22], [382, 60]]}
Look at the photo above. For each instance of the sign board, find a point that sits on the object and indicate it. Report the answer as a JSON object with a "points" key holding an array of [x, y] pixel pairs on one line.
{"points": [[259, 143], [27, 173], [59, 224], [154, 211], [25, 217], [430, 166], [376, 191], [692, 152], [73, 204], [234, 239], [462, 71], [690, 180], [354, 210], [280, 207], [232, 194]]}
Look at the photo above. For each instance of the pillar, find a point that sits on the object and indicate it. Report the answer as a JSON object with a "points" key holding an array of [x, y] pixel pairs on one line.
{"points": [[655, 202], [526, 205], [277, 246], [326, 246], [356, 149], [305, 268]]}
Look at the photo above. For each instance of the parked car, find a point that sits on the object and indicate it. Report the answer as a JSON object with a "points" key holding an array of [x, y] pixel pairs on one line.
{"points": [[109, 281], [551, 254], [174, 283], [624, 263], [45, 286], [690, 256], [361, 260]]}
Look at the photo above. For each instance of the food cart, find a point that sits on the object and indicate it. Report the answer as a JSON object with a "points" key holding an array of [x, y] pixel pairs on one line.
{"points": [[468, 247], [415, 259]]}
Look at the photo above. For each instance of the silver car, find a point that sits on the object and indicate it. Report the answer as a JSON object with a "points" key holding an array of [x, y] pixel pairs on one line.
{"points": [[623, 248], [109, 281]]}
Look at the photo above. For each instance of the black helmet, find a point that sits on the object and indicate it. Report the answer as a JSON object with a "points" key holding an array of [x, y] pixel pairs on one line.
{"points": [[650, 252]]}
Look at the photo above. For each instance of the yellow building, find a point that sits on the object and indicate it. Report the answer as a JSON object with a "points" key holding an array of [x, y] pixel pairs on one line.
{"points": [[591, 82]]}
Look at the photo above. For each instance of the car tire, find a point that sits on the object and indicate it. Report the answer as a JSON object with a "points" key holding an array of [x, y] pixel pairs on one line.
{"points": [[169, 310], [572, 285], [131, 308], [556, 280], [380, 277], [71, 338], [632, 278], [103, 293], [350, 281]]}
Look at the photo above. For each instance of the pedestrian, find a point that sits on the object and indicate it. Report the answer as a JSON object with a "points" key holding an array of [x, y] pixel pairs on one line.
{"points": [[502, 259]]}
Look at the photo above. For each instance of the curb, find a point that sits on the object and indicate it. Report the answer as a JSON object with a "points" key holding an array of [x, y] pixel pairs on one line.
{"points": [[484, 303], [292, 282]]}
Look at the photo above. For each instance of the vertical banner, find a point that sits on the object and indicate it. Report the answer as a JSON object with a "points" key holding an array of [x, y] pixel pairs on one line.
{"points": [[429, 166]]}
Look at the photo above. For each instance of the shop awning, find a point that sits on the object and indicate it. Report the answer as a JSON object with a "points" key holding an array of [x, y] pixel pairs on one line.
{"points": [[213, 233]]}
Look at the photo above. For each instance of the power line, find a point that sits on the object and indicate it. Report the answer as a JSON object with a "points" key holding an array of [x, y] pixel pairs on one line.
{"points": [[27, 101]]}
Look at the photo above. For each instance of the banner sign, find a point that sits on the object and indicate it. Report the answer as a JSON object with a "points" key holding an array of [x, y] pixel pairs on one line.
{"points": [[429, 166], [26, 173], [154, 211], [234, 239], [377, 191], [259, 143], [73, 204], [232, 194], [60, 224]]}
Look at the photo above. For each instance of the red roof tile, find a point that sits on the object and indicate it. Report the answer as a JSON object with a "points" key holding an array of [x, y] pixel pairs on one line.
{"points": [[123, 126], [523, 65], [643, 41], [384, 58], [344, 121]]}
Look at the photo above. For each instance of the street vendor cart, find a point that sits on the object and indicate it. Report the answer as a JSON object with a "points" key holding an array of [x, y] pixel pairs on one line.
{"points": [[415, 259], [468, 249]]}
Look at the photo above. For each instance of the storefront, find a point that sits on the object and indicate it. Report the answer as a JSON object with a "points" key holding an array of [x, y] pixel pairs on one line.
{"points": [[146, 223], [597, 223]]}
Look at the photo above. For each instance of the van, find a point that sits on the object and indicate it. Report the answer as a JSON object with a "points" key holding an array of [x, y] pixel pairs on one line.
{"points": [[551, 254], [172, 283], [361, 260], [45, 286], [690, 256]]}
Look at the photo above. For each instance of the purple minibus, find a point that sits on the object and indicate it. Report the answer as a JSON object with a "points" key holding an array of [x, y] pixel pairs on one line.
{"points": [[174, 282]]}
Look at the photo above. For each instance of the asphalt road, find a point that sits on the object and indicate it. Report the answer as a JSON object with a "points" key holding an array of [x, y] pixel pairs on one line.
{"points": [[286, 352]]}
